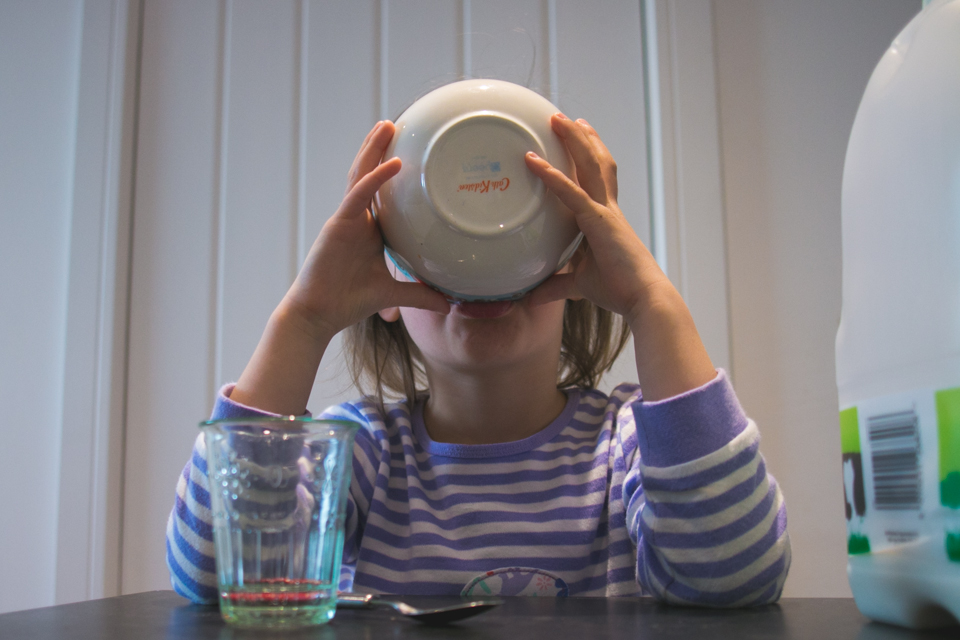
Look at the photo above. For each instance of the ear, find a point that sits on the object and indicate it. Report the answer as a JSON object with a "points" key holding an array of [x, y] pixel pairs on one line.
{"points": [[390, 314]]}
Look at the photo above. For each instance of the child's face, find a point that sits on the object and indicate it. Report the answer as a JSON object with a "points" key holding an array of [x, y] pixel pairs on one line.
{"points": [[516, 335], [521, 336]]}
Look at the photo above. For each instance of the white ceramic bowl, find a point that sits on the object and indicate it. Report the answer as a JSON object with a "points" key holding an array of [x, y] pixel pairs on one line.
{"points": [[465, 215]]}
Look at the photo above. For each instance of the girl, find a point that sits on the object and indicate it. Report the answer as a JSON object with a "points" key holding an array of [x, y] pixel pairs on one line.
{"points": [[510, 474]]}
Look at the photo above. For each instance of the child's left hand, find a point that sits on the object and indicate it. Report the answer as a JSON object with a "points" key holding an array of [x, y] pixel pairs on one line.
{"points": [[617, 272], [612, 248]]}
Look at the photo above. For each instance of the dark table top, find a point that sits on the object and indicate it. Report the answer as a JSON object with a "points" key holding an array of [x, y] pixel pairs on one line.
{"points": [[163, 614]]}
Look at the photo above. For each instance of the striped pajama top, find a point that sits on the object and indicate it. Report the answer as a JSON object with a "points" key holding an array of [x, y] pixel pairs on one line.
{"points": [[615, 497]]}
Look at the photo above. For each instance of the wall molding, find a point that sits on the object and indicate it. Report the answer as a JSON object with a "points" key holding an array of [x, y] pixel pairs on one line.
{"points": [[686, 187], [94, 384]]}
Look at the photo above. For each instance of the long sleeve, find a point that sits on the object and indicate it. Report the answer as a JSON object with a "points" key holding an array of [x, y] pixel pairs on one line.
{"points": [[190, 550], [190, 556], [708, 520]]}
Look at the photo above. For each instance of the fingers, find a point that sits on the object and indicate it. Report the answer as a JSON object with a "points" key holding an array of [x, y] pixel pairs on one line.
{"points": [[588, 161], [419, 296], [366, 139], [359, 196], [570, 194], [371, 152], [559, 286], [608, 165], [363, 145]]}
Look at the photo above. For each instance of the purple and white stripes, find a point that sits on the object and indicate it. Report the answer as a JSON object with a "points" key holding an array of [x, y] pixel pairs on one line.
{"points": [[705, 526], [713, 530], [190, 555]]}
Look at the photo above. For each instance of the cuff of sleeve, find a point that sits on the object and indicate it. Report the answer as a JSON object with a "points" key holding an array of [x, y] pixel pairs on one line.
{"points": [[225, 408], [690, 425]]}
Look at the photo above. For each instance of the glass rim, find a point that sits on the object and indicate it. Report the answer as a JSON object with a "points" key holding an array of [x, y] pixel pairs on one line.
{"points": [[289, 420]]}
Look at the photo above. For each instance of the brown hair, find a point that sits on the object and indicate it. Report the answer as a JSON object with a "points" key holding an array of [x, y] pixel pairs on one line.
{"points": [[382, 354]]}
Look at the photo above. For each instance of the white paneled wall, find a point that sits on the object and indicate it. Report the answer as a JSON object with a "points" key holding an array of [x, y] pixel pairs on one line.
{"points": [[250, 115], [174, 271], [39, 53]]}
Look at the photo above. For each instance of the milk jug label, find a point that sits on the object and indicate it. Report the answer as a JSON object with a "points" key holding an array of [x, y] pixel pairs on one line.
{"points": [[901, 472]]}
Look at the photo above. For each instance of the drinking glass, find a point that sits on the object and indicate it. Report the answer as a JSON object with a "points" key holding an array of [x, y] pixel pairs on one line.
{"points": [[278, 491]]}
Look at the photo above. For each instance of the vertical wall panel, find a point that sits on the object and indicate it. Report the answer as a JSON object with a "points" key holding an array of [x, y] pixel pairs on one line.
{"points": [[600, 73], [693, 194], [424, 50], [40, 49], [600, 69], [508, 41], [343, 103], [95, 357], [172, 276], [259, 173]]}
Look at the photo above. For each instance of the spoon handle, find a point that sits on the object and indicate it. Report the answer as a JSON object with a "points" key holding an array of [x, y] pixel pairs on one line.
{"points": [[354, 600]]}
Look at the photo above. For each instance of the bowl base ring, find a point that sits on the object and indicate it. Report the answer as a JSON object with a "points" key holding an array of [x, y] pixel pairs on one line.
{"points": [[475, 177]]}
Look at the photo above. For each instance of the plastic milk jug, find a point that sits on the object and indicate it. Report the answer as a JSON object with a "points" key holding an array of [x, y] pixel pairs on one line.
{"points": [[898, 345]]}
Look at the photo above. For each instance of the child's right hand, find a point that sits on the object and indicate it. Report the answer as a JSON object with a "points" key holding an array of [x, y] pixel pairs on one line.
{"points": [[344, 280]]}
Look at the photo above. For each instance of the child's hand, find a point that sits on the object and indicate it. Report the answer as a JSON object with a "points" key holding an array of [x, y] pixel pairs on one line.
{"points": [[344, 279], [616, 271], [600, 270]]}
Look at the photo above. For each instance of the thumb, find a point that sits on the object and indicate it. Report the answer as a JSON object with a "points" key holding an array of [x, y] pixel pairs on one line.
{"points": [[559, 286], [418, 296]]}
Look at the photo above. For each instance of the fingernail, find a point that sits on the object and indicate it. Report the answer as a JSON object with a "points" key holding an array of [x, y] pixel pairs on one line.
{"points": [[582, 121], [562, 117], [533, 155]]}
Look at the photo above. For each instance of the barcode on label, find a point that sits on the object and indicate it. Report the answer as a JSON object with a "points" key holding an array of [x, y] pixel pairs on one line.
{"points": [[895, 453]]}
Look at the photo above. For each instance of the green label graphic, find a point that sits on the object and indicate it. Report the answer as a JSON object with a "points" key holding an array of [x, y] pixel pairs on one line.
{"points": [[948, 431], [858, 544], [854, 497], [953, 546], [849, 431]]}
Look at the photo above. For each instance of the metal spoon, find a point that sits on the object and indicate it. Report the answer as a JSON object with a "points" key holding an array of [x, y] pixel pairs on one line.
{"points": [[436, 616]]}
